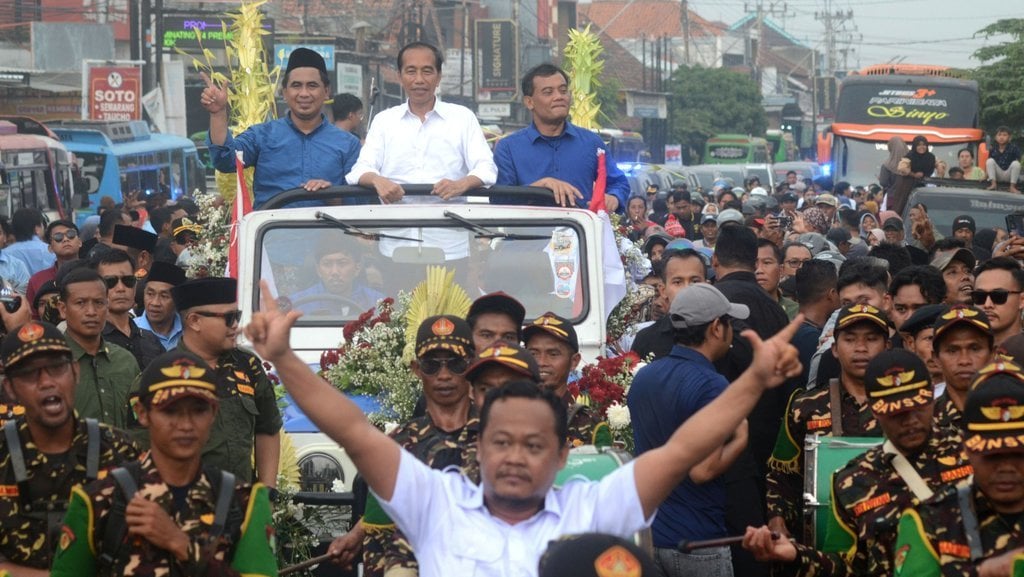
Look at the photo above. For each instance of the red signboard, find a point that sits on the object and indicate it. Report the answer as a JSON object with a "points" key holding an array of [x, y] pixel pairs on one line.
{"points": [[115, 93]]}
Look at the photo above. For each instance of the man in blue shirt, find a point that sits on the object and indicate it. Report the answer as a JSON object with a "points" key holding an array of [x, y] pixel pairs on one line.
{"points": [[28, 226], [302, 149], [553, 152], [665, 394]]}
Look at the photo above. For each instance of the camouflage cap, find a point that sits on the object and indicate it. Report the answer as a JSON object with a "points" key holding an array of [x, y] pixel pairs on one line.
{"points": [[512, 357], [595, 555], [554, 325], [897, 381], [446, 332], [961, 315], [176, 374], [29, 339], [994, 410], [853, 314]]}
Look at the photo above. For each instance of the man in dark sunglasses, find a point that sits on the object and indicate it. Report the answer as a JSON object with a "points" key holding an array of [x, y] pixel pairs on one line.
{"points": [[118, 272], [249, 417], [998, 283], [62, 238], [446, 435]]}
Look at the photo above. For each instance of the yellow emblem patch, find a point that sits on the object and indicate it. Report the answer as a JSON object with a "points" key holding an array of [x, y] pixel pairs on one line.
{"points": [[617, 561], [206, 519]]}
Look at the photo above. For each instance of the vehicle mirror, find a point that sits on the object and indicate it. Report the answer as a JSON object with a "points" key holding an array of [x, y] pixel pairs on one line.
{"points": [[418, 255]]}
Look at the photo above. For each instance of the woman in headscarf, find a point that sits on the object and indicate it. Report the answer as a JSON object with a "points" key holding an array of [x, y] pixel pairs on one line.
{"points": [[868, 222], [922, 162], [897, 186]]}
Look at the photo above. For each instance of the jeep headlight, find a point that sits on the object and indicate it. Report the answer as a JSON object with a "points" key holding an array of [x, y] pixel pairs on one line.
{"points": [[318, 471]]}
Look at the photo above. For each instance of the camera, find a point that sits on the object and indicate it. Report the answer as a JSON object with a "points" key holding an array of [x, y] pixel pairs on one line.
{"points": [[1015, 223], [785, 222], [10, 299]]}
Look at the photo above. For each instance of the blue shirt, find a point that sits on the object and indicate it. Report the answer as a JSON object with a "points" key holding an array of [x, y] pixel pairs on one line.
{"points": [[34, 253], [14, 272], [170, 340], [664, 394], [526, 156], [286, 158], [306, 301]]}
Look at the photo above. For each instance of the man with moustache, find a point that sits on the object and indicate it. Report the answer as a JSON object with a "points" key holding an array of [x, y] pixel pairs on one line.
{"points": [[998, 284], [117, 270], [46, 450], [957, 265]]}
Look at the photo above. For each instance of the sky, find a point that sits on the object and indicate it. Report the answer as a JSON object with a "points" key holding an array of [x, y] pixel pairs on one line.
{"points": [[919, 31]]}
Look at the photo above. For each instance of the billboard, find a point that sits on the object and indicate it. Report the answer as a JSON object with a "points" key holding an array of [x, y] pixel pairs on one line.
{"points": [[113, 92], [497, 43], [179, 31]]}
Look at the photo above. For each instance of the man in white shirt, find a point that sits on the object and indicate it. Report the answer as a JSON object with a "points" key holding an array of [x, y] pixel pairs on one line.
{"points": [[425, 140], [502, 526]]}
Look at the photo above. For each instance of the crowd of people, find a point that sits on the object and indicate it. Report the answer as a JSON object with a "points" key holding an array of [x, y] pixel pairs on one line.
{"points": [[140, 440]]}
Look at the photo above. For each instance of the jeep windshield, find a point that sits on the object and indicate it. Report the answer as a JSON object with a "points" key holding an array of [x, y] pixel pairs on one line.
{"points": [[333, 274]]}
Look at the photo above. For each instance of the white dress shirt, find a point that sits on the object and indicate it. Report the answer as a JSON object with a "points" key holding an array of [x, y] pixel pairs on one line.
{"points": [[451, 531], [447, 144]]}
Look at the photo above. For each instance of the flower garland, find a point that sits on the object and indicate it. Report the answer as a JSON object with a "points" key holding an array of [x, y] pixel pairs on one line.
{"points": [[604, 386], [369, 361], [209, 256], [634, 308]]}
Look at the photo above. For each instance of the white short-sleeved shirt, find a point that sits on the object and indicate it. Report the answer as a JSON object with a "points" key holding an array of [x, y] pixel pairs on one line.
{"points": [[447, 144], [452, 533]]}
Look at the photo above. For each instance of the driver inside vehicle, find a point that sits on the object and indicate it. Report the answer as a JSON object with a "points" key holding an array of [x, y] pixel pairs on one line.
{"points": [[340, 288]]}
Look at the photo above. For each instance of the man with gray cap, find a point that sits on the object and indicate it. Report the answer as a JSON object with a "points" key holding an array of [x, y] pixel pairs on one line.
{"points": [[302, 149], [666, 393]]}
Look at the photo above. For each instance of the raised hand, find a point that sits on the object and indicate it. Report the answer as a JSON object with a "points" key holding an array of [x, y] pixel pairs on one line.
{"points": [[270, 329], [214, 98]]}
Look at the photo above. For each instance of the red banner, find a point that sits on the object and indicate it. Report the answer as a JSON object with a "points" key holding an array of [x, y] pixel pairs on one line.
{"points": [[115, 93]]}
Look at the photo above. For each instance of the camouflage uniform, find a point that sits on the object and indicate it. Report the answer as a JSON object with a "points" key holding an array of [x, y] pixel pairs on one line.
{"points": [[248, 407], [384, 547], [946, 413], [245, 548], [586, 427], [809, 412], [869, 496], [25, 537], [932, 540], [9, 410]]}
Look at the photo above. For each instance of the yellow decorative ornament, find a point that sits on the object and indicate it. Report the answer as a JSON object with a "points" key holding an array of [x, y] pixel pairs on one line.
{"points": [[288, 465], [584, 65], [252, 82], [439, 294]]}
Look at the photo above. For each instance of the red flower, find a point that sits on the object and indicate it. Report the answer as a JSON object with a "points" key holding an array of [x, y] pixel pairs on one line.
{"points": [[329, 358]]}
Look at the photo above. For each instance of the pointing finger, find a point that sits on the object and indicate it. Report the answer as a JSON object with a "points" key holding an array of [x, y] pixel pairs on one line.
{"points": [[206, 78]]}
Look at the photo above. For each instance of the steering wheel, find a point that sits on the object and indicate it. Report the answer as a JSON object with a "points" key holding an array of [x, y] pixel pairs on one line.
{"points": [[340, 300]]}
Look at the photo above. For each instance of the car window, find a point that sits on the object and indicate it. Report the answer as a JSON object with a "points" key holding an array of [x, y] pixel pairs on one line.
{"points": [[944, 207], [333, 277]]}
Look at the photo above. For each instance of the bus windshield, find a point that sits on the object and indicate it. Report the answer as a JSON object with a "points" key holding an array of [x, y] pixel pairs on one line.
{"points": [[859, 161], [918, 105]]}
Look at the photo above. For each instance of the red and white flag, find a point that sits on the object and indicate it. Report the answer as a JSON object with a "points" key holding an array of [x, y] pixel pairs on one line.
{"points": [[600, 184], [243, 206]]}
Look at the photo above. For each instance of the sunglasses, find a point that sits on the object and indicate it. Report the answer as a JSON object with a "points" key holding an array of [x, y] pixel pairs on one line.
{"points": [[128, 280], [998, 296], [60, 236], [432, 366], [231, 318], [53, 370]]}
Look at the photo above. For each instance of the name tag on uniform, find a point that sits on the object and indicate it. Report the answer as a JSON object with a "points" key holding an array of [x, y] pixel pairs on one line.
{"points": [[954, 549], [818, 424], [861, 508], [8, 490], [958, 473]]}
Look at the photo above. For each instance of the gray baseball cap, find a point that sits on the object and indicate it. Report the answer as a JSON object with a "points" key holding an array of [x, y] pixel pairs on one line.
{"points": [[730, 215], [701, 303]]}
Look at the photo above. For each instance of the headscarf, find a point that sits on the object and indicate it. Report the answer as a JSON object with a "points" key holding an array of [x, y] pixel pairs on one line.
{"points": [[860, 227], [985, 238], [897, 150], [816, 219], [923, 163]]}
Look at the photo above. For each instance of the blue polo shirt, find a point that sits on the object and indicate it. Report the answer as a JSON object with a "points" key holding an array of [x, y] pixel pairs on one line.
{"points": [[664, 394], [286, 158], [526, 156]]}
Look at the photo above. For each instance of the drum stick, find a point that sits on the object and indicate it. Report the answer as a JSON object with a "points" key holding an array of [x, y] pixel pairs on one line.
{"points": [[687, 546], [305, 564]]}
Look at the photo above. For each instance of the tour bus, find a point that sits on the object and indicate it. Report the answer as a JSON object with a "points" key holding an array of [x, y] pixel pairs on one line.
{"points": [[123, 157], [736, 149], [36, 171], [625, 146], [904, 100]]}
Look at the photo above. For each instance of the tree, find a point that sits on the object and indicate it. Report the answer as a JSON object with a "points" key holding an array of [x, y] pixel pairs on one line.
{"points": [[709, 101], [1001, 76]]}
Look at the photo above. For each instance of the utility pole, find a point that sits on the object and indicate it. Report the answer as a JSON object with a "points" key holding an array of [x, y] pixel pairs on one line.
{"points": [[774, 8], [685, 16], [835, 25]]}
